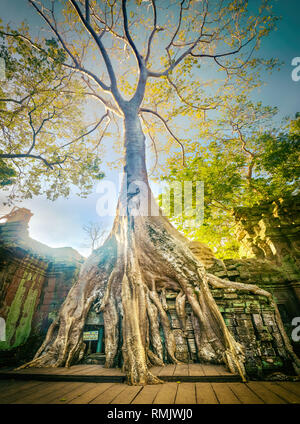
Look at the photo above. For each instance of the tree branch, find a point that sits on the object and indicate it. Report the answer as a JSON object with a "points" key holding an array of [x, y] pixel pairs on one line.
{"points": [[237, 129], [128, 36], [168, 129], [185, 101], [75, 68], [16, 101], [26, 155], [103, 134], [107, 61], [43, 15], [88, 132], [155, 29]]}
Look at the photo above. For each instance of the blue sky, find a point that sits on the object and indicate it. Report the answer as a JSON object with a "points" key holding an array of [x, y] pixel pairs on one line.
{"points": [[60, 223]]}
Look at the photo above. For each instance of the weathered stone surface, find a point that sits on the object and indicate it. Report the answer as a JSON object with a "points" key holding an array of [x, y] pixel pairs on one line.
{"points": [[271, 231], [34, 281]]}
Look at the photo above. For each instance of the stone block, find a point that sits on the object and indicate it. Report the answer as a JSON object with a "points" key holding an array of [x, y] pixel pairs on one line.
{"points": [[175, 323], [258, 322], [265, 336], [179, 337], [217, 294], [282, 352], [229, 290], [182, 356], [230, 322], [233, 273], [192, 345], [221, 274], [242, 331], [230, 296], [279, 342], [268, 319]]}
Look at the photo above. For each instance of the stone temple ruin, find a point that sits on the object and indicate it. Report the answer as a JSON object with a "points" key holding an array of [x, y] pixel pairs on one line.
{"points": [[35, 279]]}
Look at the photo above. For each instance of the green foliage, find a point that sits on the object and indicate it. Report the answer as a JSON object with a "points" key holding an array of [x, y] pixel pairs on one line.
{"points": [[7, 174], [247, 166], [44, 145]]}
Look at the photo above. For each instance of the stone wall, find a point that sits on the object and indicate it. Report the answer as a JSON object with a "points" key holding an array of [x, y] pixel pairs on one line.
{"points": [[271, 277], [271, 231], [250, 319], [34, 281], [269, 235]]}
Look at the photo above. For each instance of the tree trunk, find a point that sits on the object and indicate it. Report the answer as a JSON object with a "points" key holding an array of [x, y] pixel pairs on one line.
{"points": [[126, 279]]}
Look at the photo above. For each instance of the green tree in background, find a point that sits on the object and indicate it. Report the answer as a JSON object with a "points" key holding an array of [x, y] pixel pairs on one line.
{"points": [[46, 143], [243, 160]]}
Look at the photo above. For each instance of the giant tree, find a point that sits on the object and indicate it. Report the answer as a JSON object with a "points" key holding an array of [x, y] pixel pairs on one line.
{"points": [[138, 45]]}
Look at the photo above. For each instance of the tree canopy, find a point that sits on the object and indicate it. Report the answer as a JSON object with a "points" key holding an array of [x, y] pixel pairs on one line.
{"points": [[157, 55], [243, 160], [47, 144]]}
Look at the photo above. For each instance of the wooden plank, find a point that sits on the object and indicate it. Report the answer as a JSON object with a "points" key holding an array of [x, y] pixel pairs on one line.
{"points": [[113, 372], [210, 369], [265, 394], [196, 370], [46, 371], [156, 370], [59, 393], [13, 386], [45, 389], [127, 395], [292, 386], [167, 370], [19, 388], [222, 370], [101, 370], [224, 393], [186, 393], [167, 394], [17, 394], [244, 394], [91, 394], [63, 370], [5, 384], [181, 370], [109, 394], [84, 373], [91, 370], [83, 370], [83, 388], [280, 391], [205, 394], [147, 394], [74, 369]]}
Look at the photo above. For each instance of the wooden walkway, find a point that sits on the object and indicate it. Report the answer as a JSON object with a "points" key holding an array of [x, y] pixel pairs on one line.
{"points": [[99, 374], [41, 392]]}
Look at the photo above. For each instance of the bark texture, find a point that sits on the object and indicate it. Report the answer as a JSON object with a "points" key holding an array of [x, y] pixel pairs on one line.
{"points": [[127, 278]]}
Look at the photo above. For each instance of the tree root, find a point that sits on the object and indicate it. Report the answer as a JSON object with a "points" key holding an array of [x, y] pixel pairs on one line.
{"points": [[127, 279]]}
